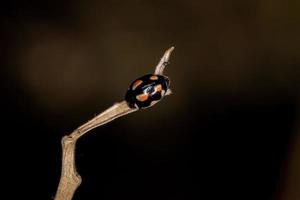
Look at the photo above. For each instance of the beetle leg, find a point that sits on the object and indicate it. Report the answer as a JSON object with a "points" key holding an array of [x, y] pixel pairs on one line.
{"points": [[164, 61]]}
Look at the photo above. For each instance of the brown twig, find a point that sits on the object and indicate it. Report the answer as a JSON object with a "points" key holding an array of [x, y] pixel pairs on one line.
{"points": [[70, 179]]}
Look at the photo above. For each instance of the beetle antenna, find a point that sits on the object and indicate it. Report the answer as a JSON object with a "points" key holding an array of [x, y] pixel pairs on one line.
{"points": [[164, 61]]}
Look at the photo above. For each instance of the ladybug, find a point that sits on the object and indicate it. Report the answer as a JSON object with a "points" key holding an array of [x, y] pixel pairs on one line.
{"points": [[147, 91]]}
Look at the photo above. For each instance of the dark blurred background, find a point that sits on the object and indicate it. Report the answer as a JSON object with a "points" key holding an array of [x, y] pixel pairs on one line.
{"points": [[230, 130]]}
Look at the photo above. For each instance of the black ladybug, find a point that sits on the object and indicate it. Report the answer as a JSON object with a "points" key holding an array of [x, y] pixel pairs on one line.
{"points": [[151, 88], [147, 90]]}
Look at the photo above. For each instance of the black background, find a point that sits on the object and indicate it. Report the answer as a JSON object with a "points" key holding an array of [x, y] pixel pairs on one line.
{"points": [[224, 133]]}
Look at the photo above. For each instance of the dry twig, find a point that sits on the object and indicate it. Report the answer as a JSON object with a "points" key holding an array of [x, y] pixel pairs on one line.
{"points": [[70, 179]]}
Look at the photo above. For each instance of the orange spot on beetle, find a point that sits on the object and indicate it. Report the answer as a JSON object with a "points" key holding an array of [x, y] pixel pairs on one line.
{"points": [[136, 84], [153, 78], [158, 88], [142, 97]]}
